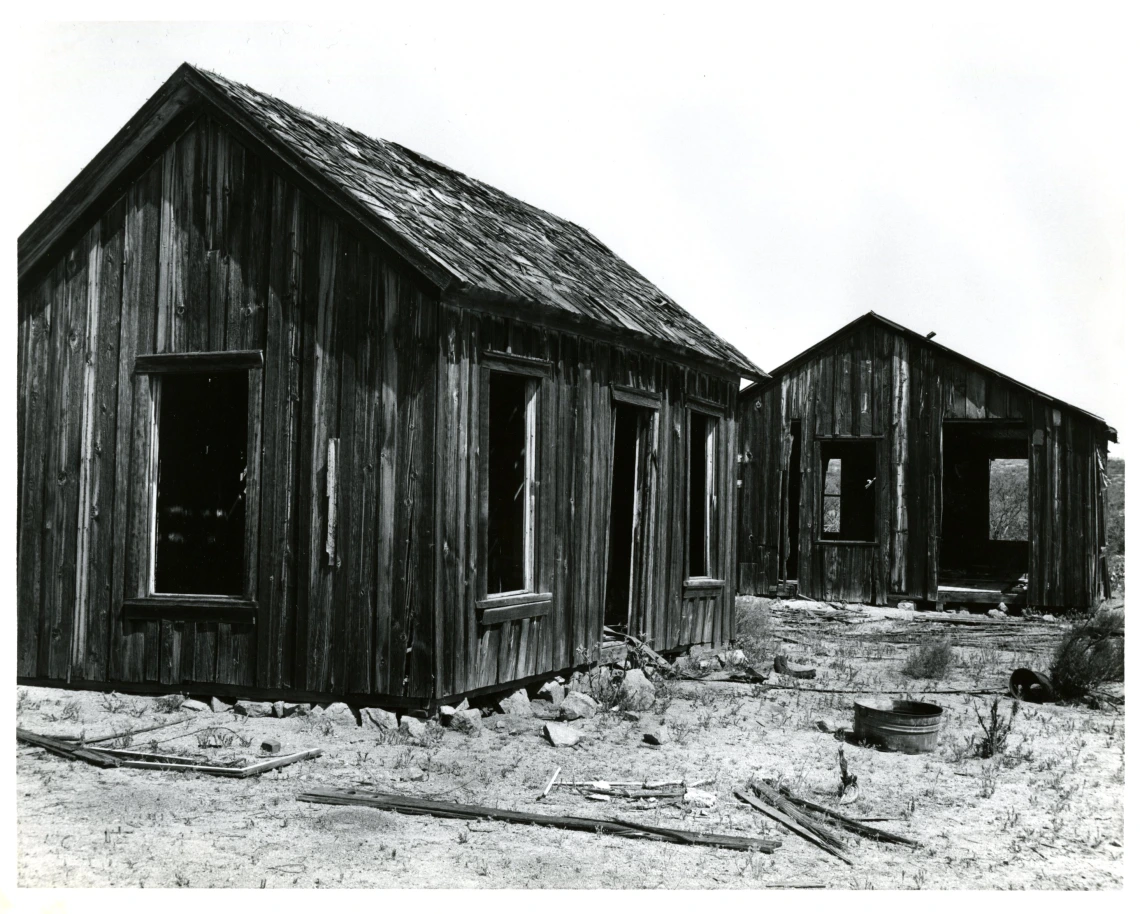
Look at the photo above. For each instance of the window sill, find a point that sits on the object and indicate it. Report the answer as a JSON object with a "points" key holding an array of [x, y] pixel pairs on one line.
{"points": [[509, 606], [192, 608], [825, 542], [701, 587]]}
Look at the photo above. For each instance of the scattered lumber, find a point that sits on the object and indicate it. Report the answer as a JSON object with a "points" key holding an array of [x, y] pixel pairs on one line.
{"points": [[418, 806], [792, 825], [67, 749], [771, 796], [550, 783], [135, 731], [126, 758], [860, 828], [640, 647]]}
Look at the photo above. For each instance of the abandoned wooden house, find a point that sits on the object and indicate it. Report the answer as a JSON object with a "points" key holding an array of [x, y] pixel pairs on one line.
{"points": [[302, 412], [879, 465]]}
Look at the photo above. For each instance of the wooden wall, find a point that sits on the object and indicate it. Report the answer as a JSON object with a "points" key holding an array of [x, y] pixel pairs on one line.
{"points": [[206, 250], [575, 450], [881, 384]]}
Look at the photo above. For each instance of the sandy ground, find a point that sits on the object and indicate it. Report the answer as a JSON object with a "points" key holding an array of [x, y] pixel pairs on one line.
{"points": [[1047, 813]]}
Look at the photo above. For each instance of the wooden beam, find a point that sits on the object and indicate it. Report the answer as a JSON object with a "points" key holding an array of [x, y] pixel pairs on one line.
{"points": [[181, 362], [192, 608]]}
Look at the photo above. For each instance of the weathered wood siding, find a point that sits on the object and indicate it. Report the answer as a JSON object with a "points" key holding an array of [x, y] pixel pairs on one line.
{"points": [[877, 383], [573, 510], [208, 249]]}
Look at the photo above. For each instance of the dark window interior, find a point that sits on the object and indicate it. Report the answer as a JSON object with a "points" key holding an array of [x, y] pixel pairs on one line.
{"points": [[848, 490], [506, 483], [200, 506], [699, 427]]}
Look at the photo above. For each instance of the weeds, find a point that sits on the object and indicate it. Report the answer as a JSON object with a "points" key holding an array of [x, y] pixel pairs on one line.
{"points": [[930, 661], [995, 731], [168, 704]]}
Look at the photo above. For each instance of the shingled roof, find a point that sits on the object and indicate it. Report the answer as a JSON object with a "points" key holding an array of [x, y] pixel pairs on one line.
{"points": [[463, 234]]}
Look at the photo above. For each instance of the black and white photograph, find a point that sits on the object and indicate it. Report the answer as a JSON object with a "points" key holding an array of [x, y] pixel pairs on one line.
{"points": [[603, 447]]}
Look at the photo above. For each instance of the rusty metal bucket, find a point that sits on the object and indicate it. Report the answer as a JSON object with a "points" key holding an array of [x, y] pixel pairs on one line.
{"points": [[905, 726]]}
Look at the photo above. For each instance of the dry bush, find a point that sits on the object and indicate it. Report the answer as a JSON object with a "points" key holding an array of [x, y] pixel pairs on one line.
{"points": [[929, 661], [753, 629], [1090, 655]]}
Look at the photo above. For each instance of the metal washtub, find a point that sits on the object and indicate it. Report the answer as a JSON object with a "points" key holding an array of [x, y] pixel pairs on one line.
{"points": [[905, 726]]}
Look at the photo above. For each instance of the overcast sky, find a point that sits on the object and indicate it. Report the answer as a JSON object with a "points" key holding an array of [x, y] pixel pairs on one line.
{"points": [[778, 173]]}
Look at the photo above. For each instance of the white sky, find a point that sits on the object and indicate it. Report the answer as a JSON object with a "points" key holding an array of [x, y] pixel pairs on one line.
{"points": [[777, 172]]}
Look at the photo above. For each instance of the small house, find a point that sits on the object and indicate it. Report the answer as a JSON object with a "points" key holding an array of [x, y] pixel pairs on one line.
{"points": [[879, 466], [305, 413]]}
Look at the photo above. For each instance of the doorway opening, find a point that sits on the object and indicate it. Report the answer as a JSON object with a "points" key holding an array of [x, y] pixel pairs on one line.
{"points": [[985, 510], [631, 500], [792, 565]]}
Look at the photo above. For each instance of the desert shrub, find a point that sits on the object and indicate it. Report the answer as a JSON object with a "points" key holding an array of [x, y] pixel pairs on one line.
{"points": [[995, 730], [753, 629], [1090, 655], [929, 661]]}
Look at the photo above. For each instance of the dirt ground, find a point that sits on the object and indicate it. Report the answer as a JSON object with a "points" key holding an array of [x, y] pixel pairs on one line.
{"points": [[1046, 813]]}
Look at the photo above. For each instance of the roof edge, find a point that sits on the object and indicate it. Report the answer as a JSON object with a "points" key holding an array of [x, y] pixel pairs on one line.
{"points": [[914, 336]]}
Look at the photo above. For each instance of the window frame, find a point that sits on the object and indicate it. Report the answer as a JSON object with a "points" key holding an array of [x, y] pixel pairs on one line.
{"points": [[531, 600], [714, 415], [149, 371], [875, 441]]}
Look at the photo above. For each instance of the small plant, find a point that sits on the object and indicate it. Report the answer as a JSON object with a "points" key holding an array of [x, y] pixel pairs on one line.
{"points": [[112, 703], [168, 704], [996, 730], [70, 710], [1090, 655], [215, 738], [929, 661]]}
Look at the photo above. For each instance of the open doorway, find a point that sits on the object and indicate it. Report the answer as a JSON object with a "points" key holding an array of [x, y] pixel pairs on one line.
{"points": [[985, 510], [792, 565], [631, 510]]}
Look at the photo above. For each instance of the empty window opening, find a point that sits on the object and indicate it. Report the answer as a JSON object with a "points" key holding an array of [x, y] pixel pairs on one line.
{"points": [[793, 563], [510, 482], [203, 422], [702, 498], [849, 490], [1009, 499], [622, 500]]}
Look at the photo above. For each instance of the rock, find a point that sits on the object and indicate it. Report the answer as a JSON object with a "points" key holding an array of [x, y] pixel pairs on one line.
{"points": [[253, 708], [578, 705], [192, 704], [413, 727], [271, 745], [658, 736], [996, 614], [553, 692], [773, 679], [907, 605], [340, 713], [1048, 617], [637, 693], [218, 706], [289, 709], [630, 717], [517, 703], [703, 664], [561, 735], [544, 710], [378, 719], [414, 774], [697, 651], [469, 721], [702, 799], [737, 658], [824, 726]]}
